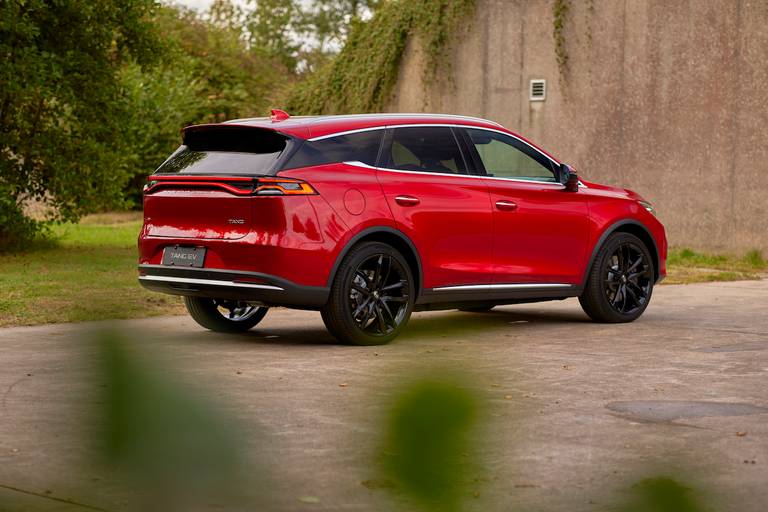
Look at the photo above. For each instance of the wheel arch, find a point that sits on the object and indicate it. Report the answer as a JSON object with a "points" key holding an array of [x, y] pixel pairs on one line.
{"points": [[632, 227], [389, 236]]}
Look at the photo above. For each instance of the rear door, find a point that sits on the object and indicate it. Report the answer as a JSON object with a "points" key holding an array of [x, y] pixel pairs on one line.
{"points": [[540, 230], [443, 210]]}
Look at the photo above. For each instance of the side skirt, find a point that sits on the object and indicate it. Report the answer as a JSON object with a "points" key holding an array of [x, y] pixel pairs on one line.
{"points": [[449, 297]]}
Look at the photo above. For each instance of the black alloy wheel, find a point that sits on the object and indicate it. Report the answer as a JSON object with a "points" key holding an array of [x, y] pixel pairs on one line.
{"points": [[628, 279], [378, 295], [620, 282], [372, 296], [224, 315]]}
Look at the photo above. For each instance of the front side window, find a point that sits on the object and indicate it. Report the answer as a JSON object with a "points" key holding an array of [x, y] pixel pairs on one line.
{"points": [[504, 156], [354, 147], [425, 149]]}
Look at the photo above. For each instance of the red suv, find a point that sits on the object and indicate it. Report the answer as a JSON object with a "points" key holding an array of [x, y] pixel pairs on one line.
{"points": [[370, 217]]}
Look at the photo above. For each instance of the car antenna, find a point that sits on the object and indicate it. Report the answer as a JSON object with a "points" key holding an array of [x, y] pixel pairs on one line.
{"points": [[278, 115]]}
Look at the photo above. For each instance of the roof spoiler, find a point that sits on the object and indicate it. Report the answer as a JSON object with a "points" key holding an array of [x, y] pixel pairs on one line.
{"points": [[233, 137]]}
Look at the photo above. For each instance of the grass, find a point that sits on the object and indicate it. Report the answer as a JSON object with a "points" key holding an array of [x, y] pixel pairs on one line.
{"points": [[686, 266], [88, 272]]}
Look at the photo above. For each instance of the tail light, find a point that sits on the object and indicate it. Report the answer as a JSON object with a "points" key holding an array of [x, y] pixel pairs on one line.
{"points": [[283, 187], [237, 185]]}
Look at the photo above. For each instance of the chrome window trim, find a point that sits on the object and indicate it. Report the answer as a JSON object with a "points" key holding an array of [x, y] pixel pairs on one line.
{"points": [[210, 282], [348, 132], [447, 125], [357, 163], [511, 286], [455, 175]]}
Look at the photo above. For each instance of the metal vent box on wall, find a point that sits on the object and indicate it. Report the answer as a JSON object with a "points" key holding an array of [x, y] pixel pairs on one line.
{"points": [[538, 90]]}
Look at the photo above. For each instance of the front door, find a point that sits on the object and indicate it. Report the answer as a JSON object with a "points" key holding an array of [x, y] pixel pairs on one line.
{"points": [[445, 212], [540, 230]]}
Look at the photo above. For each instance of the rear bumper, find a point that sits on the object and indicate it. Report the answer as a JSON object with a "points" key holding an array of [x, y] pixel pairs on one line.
{"points": [[232, 284]]}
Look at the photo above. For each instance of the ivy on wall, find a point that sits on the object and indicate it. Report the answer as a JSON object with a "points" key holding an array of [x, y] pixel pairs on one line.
{"points": [[362, 76], [560, 10]]}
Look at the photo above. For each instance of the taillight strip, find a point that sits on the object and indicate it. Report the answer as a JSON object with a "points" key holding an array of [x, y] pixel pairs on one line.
{"points": [[258, 186], [198, 184]]}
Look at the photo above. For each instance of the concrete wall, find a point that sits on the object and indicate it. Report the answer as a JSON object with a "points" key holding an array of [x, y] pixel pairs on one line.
{"points": [[667, 97]]}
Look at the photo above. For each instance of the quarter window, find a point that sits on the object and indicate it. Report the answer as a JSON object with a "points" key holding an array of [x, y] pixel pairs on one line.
{"points": [[354, 147], [506, 157], [424, 149]]}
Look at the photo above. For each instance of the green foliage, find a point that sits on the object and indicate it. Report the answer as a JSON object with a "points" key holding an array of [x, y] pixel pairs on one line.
{"points": [[208, 74], [162, 435], [428, 449], [302, 34], [687, 266], [61, 105], [361, 77], [271, 25], [662, 494], [16, 229], [83, 272], [755, 259], [163, 101], [325, 24], [560, 10], [752, 260]]}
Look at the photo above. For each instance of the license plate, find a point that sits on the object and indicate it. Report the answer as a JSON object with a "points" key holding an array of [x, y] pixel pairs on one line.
{"points": [[179, 256]]}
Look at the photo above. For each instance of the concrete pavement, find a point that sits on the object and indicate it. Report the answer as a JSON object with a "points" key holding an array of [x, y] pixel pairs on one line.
{"points": [[575, 411]]}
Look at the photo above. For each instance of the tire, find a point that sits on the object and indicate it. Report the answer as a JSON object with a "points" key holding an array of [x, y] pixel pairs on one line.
{"points": [[372, 296], [207, 313], [477, 309], [620, 282]]}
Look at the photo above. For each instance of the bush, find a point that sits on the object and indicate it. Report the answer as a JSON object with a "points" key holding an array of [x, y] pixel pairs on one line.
{"points": [[16, 229]]}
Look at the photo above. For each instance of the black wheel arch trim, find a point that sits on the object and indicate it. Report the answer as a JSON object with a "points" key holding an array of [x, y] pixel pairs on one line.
{"points": [[372, 231], [611, 230]]}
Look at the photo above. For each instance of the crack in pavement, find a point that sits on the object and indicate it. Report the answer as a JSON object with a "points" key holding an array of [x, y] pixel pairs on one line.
{"points": [[8, 391], [714, 329], [53, 498]]}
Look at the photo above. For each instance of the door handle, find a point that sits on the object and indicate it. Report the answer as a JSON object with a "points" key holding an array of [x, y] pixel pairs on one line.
{"points": [[506, 206], [407, 200]]}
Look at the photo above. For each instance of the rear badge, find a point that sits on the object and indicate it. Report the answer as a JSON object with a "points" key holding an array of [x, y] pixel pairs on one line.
{"points": [[236, 221]]}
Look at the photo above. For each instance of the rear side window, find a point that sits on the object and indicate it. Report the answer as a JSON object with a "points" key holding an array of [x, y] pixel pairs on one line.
{"points": [[424, 149], [226, 150], [354, 147]]}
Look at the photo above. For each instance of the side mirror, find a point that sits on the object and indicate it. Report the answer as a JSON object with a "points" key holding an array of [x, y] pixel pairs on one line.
{"points": [[569, 178]]}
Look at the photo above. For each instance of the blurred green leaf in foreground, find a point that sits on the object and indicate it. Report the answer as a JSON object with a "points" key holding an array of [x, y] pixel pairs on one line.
{"points": [[662, 494], [428, 450], [162, 438]]}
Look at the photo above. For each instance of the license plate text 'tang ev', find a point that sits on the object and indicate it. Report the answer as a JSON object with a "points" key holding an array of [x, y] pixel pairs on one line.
{"points": [[184, 256]]}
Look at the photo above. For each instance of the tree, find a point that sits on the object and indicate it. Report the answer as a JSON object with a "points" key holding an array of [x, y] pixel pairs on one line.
{"points": [[273, 26], [209, 74], [61, 105], [328, 21], [303, 34]]}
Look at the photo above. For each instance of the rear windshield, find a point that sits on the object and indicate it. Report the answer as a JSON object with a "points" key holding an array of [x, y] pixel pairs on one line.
{"points": [[226, 150]]}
